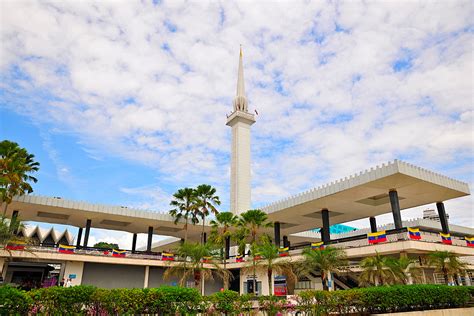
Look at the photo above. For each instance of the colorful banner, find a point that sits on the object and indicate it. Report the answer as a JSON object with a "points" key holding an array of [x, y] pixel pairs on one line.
{"points": [[377, 237], [166, 256], [16, 245], [414, 233], [469, 241], [317, 245], [446, 239], [239, 258], [66, 249], [118, 253], [284, 252], [206, 259]]}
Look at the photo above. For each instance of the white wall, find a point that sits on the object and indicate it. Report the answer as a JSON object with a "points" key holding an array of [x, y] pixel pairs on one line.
{"points": [[246, 275], [74, 267]]}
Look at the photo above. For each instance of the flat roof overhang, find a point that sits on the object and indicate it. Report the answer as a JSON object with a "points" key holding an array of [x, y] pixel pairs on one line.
{"points": [[364, 195], [355, 197], [66, 212]]}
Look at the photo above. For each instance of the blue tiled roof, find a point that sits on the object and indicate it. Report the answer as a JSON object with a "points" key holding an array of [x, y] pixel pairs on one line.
{"points": [[338, 229]]}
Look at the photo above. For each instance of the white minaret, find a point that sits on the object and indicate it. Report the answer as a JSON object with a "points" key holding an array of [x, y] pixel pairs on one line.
{"points": [[240, 120]]}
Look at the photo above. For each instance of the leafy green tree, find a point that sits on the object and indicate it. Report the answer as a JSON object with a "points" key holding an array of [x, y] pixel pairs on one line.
{"points": [[250, 224], [16, 167], [185, 206], [106, 245], [221, 230], [447, 263], [327, 260], [207, 200]]}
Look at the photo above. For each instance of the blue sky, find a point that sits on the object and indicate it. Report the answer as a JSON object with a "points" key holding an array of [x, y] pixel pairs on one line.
{"points": [[125, 102]]}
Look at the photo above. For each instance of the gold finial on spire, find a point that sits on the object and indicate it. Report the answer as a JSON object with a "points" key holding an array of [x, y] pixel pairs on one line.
{"points": [[241, 50]]}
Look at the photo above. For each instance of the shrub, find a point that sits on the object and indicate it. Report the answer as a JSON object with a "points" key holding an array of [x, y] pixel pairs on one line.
{"points": [[14, 301], [68, 300], [224, 302]]}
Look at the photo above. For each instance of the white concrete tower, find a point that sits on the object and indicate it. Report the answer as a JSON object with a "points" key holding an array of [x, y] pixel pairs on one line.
{"points": [[240, 120]]}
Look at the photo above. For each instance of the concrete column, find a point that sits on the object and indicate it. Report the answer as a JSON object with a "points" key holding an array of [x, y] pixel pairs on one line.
{"points": [[373, 225], [150, 239], [88, 230], [227, 248], [147, 277], [276, 229], [325, 237], [442, 217], [134, 242], [286, 242], [467, 278], [397, 217], [79, 237]]}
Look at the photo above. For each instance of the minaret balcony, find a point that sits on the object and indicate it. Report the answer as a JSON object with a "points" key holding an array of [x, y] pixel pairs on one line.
{"points": [[240, 116]]}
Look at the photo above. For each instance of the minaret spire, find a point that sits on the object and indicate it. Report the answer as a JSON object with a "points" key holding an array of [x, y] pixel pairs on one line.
{"points": [[240, 100], [240, 121]]}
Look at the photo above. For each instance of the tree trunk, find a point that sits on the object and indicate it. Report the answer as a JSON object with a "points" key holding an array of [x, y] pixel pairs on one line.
{"points": [[323, 280], [5, 210], [254, 275], [186, 231], [455, 277], [202, 233], [445, 273], [270, 285]]}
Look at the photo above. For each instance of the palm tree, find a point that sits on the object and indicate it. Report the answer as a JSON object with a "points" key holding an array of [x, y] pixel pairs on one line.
{"points": [[404, 269], [447, 263], [193, 265], [207, 200], [377, 270], [250, 223], [274, 264], [220, 232], [185, 203], [326, 260], [16, 166], [9, 235]]}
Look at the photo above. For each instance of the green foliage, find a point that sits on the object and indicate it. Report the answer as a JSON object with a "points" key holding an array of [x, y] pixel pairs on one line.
{"points": [[167, 300], [106, 245], [16, 168], [69, 300], [224, 302], [14, 301]]}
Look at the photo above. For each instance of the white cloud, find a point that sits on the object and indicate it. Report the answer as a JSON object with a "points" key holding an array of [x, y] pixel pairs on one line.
{"points": [[153, 84]]}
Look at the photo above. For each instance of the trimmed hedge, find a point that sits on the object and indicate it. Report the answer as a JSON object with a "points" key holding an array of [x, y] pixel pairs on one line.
{"points": [[187, 301]]}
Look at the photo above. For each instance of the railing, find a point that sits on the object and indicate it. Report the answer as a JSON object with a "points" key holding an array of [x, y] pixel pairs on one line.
{"points": [[393, 235]]}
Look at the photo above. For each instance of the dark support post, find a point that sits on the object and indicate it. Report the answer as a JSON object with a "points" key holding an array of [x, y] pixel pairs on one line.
{"points": [[14, 217], [227, 248], [79, 236], [286, 243], [88, 230], [134, 243], [150, 239], [276, 229], [204, 238], [325, 237], [373, 225], [442, 217], [397, 217]]}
